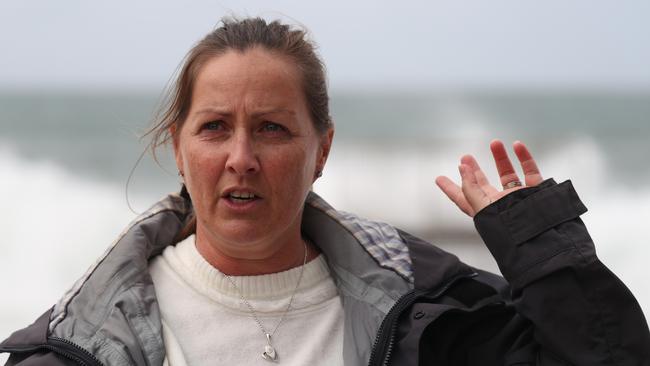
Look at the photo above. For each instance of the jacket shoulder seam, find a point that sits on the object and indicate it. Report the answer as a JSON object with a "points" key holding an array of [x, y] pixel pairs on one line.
{"points": [[60, 309], [393, 254]]}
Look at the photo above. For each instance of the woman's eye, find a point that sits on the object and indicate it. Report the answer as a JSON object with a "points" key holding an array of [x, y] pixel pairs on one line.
{"points": [[273, 127], [213, 126]]}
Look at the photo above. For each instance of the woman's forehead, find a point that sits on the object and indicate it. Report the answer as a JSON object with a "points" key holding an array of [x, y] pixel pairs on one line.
{"points": [[256, 79], [254, 67]]}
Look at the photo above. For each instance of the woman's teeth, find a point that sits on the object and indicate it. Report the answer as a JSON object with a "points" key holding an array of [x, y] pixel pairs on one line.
{"points": [[242, 196]]}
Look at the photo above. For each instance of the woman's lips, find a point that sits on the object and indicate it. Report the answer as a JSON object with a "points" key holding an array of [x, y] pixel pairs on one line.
{"points": [[241, 205], [241, 193]]}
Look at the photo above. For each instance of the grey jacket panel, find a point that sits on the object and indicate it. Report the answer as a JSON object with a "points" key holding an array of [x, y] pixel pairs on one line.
{"points": [[32, 338], [34, 334], [112, 312], [367, 290]]}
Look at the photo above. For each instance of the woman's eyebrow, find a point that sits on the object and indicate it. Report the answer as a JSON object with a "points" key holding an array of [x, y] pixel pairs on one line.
{"points": [[262, 111], [213, 110]]}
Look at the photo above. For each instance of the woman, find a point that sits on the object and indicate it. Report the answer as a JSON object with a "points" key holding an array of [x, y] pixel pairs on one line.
{"points": [[247, 266]]}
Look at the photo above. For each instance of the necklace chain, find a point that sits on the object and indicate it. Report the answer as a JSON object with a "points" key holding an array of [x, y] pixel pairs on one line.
{"points": [[286, 311]]}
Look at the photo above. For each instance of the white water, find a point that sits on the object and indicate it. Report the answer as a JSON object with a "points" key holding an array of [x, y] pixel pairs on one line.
{"points": [[55, 223]]}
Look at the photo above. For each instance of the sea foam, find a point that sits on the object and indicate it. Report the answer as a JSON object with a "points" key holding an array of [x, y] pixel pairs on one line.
{"points": [[55, 224]]}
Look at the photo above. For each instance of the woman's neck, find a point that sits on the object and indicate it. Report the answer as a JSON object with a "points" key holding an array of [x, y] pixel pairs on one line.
{"points": [[252, 260]]}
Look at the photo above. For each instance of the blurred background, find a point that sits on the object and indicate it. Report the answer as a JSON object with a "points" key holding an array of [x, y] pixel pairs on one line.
{"points": [[414, 85]]}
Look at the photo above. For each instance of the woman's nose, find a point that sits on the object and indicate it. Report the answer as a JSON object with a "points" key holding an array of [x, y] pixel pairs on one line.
{"points": [[242, 159]]}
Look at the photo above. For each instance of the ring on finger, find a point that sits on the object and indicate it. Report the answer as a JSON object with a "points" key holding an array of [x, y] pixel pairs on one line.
{"points": [[513, 184]]}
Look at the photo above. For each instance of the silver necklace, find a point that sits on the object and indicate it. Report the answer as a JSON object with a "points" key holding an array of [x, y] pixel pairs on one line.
{"points": [[270, 354]]}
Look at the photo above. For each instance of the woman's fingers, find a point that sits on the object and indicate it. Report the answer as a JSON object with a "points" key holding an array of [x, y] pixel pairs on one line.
{"points": [[455, 194], [476, 197], [528, 165], [475, 192], [505, 169], [481, 179]]}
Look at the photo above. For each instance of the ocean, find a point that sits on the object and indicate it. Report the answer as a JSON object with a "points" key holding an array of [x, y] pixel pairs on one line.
{"points": [[66, 158]]}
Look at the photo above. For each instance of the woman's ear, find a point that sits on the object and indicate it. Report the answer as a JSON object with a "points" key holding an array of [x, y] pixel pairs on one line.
{"points": [[178, 155], [324, 150]]}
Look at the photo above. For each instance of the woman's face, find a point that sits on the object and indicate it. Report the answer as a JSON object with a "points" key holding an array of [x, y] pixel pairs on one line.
{"points": [[248, 149]]}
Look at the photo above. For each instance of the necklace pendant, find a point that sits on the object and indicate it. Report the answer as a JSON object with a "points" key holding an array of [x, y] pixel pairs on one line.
{"points": [[269, 352]]}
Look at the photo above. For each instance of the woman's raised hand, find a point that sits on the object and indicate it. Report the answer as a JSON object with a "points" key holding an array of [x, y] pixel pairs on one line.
{"points": [[475, 192]]}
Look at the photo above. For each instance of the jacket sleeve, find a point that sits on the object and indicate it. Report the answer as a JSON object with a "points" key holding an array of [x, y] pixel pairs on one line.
{"points": [[28, 346], [39, 359], [581, 313]]}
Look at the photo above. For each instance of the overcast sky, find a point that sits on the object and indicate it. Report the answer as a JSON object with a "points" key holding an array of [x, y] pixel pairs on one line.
{"points": [[366, 44]]}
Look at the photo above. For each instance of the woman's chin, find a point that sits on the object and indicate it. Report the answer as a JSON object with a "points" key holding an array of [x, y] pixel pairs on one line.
{"points": [[244, 235]]}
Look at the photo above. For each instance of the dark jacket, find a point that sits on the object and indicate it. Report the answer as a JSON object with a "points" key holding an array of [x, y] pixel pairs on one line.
{"points": [[405, 301]]}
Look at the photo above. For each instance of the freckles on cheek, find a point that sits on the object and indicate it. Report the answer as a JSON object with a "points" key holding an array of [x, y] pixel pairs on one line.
{"points": [[198, 173]]}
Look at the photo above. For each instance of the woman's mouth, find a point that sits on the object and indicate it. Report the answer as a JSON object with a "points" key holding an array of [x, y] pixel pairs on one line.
{"points": [[241, 196], [241, 201]]}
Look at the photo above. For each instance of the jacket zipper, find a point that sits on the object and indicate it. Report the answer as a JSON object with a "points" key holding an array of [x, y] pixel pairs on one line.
{"points": [[82, 355], [384, 342], [64, 348]]}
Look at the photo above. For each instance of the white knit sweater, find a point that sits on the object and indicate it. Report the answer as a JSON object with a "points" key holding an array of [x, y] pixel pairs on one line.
{"points": [[206, 323]]}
